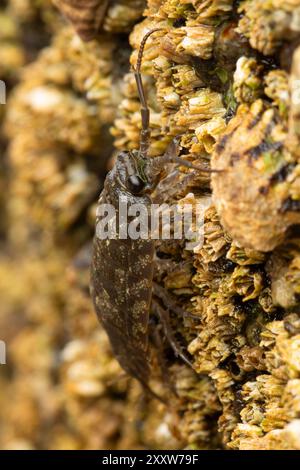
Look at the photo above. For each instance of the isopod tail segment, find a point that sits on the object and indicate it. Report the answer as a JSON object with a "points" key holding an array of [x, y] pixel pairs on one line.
{"points": [[171, 155]]}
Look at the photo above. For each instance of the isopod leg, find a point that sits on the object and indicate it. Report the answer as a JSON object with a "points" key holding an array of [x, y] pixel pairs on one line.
{"points": [[171, 155], [163, 315], [155, 336], [171, 185], [167, 299]]}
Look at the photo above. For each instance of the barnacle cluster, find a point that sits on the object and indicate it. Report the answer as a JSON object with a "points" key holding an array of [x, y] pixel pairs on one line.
{"points": [[56, 91], [222, 76], [268, 24]]}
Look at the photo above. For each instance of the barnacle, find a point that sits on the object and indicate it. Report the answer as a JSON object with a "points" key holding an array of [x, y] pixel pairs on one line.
{"points": [[246, 284], [283, 269], [252, 149], [294, 131], [277, 88], [200, 408], [269, 23], [244, 256], [247, 82], [123, 14]]}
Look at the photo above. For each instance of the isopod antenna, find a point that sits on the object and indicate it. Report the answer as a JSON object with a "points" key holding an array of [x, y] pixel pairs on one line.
{"points": [[145, 112]]}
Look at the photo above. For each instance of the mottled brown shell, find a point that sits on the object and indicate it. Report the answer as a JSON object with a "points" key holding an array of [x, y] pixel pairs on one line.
{"points": [[86, 15], [121, 285]]}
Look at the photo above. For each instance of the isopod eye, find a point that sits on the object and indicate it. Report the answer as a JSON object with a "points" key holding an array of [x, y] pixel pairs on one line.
{"points": [[135, 184]]}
